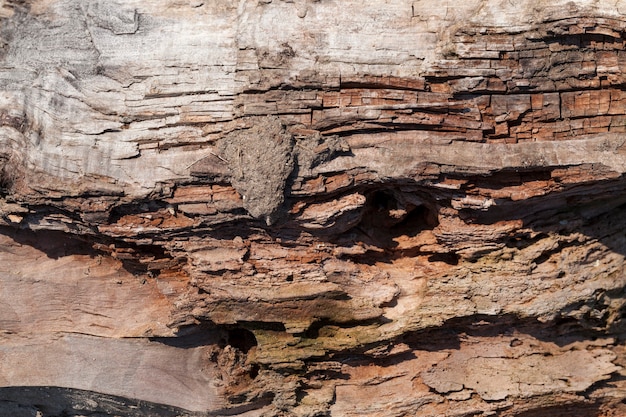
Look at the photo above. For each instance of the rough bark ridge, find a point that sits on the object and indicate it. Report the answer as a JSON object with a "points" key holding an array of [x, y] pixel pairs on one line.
{"points": [[307, 208]]}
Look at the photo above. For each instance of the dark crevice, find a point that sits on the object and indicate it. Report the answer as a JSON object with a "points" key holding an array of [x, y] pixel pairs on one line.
{"points": [[313, 332], [283, 87], [55, 244], [251, 405], [325, 374], [69, 402], [547, 254], [326, 326], [137, 207], [577, 409], [262, 325], [39, 213], [241, 339], [6, 180], [136, 259], [390, 213], [254, 370], [524, 240], [140, 259], [390, 127], [193, 336], [375, 86], [510, 178], [449, 258], [449, 336], [584, 40], [562, 331], [570, 203]]}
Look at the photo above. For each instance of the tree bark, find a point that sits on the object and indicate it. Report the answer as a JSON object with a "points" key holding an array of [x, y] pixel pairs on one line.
{"points": [[309, 208]]}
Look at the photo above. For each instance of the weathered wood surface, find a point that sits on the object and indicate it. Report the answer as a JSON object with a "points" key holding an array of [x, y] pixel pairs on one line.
{"points": [[385, 208]]}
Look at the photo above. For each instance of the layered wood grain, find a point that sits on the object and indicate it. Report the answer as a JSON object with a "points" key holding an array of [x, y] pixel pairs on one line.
{"points": [[307, 208]]}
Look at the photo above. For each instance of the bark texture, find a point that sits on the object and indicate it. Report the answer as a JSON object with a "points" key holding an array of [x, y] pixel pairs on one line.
{"points": [[312, 207]]}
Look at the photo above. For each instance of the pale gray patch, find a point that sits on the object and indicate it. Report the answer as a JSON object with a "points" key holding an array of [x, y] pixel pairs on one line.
{"points": [[260, 160], [114, 16], [314, 150]]}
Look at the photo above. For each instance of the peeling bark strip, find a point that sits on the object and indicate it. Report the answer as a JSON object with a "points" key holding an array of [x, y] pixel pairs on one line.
{"points": [[272, 208]]}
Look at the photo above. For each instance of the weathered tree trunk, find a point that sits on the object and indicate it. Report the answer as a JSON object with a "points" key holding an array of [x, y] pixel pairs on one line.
{"points": [[307, 208]]}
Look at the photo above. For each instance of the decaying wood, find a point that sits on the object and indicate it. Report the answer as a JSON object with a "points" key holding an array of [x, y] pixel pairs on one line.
{"points": [[306, 208]]}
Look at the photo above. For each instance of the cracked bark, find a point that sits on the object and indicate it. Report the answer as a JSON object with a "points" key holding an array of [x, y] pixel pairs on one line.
{"points": [[278, 208]]}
